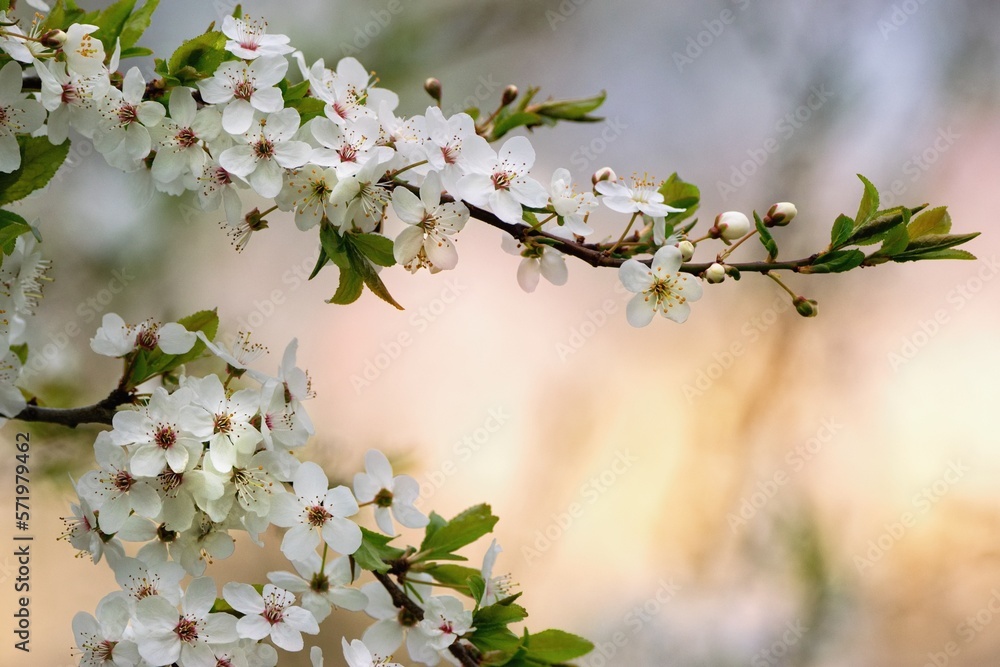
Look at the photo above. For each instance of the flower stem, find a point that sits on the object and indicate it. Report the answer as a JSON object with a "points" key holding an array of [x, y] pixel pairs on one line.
{"points": [[624, 234]]}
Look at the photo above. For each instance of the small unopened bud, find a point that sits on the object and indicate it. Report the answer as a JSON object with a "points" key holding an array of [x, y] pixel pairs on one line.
{"points": [[53, 39], [730, 226], [509, 94], [687, 250], [433, 88], [604, 174], [715, 274], [806, 307], [780, 214], [255, 221]]}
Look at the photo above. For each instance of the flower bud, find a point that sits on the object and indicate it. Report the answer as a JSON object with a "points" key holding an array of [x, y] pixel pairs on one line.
{"points": [[433, 88], [509, 94], [53, 39], [715, 274], [805, 307], [780, 214], [604, 174], [730, 226], [687, 250]]}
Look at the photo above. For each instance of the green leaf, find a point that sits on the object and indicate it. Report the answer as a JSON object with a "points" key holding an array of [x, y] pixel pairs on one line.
{"points": [[63, 14], [135, 52], [679, 194], [151, 363], [842, 228], [308, 108], [575, 110], [932, 221], [498, 644], [553, 647], [296, 92], [11, 226], [498, 615], [39, 162], [321, 261], [876, 228], [375, 247], [477, 587], [464, 529], [453, 575], [505, 122], [933, 242], [21, 352], [349, 288], [766, 239], [110, 22], [895, 241], [434, 524], [375, 551], [137, 24], [364, 268], [837, 261], [869, 202], [950, 253], [198, 58]]}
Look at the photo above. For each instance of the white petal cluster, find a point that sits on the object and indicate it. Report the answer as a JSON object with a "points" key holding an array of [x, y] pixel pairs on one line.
{"points": [[241, 130]]}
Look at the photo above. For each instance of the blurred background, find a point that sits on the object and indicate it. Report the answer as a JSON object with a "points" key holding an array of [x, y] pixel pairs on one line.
{"points": [[749, 488]]}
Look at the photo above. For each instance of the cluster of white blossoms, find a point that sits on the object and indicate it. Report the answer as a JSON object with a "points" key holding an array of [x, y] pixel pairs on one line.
{"points": [[184, 469], [21, 276], [236, 133]]}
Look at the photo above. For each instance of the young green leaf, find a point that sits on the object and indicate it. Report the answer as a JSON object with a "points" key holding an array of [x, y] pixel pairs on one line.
{"points": [[679, 194], [553, 647], [308, 108], [453, 575], [497, 644], [929, 243], [575, 110], [349, 288], [931, 221], [198, 58], [842, 228], [151, 363], [766, 239], [11, 226], [39, 162], [375, 553], [137, 24], [464, 529], [837, 261], [110, 22], [375, 247], [364, 268], [498, 615], [950, 253], [63, 14], [895, 241], [875, 229], [507, 121], [869, 202], [21, 352]]}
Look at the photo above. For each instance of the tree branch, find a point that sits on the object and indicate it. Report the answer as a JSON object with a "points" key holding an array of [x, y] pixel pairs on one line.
{"points": [[465, 654], [599, 257], [99, 413]]}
